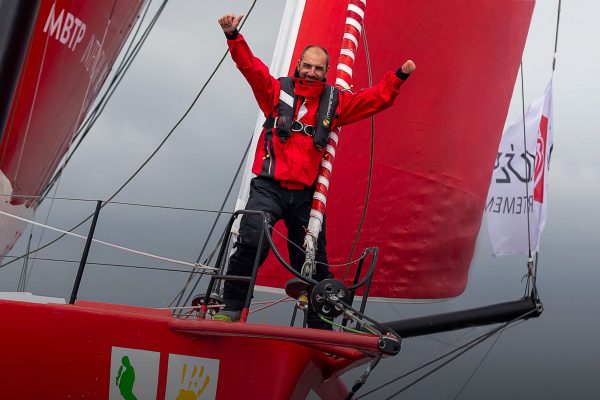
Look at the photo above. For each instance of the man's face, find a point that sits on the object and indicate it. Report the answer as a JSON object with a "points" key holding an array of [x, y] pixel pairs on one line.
{"points": [[313, 66]]}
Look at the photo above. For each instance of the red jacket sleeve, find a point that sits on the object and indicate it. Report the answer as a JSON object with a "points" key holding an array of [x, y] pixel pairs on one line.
{"points": [[264, 86], [356, 106]]}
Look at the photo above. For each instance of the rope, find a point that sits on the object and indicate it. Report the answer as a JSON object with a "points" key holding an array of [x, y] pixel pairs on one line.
{"points": [[112, 265], [556, 36], [116, 80], [184, 115], [460, 350], [528, 169], [355, 261], [371, 158], [182, 290], [271, 304], [23, 276], [487, 353], [150, 255]]}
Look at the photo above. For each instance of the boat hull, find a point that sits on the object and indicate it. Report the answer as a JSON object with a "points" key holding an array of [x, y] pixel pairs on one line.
{"points": [[76, 351]]}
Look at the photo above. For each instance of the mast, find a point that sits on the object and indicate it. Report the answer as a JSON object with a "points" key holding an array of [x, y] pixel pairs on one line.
{"points": [[352, 30]]}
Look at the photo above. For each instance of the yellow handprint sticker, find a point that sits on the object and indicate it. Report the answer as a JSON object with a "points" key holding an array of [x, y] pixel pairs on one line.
{"points": [[192, 378], [194, 389]]}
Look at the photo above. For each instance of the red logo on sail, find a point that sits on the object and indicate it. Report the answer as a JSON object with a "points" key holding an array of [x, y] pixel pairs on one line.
{"points": [[540, 161]]}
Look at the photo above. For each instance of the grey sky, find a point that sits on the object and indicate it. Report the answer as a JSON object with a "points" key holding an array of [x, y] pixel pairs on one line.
{"points": [[554, 357]]}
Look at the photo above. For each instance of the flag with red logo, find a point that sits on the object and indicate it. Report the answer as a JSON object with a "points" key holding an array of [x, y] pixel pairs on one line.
{"points": [[519, 186]]}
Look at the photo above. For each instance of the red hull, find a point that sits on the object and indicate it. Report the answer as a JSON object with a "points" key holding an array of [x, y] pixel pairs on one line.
{"points": [[75, 351]]}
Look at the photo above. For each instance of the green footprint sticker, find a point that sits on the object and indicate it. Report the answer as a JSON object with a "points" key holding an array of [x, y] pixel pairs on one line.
{"points": [[125, 379]]}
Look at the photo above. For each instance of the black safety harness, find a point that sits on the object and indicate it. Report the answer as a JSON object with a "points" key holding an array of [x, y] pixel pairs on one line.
{"points": [[285, 123]]}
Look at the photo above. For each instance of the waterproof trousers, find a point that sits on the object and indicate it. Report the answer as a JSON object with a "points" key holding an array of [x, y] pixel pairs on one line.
{"points": [[293, 206]]}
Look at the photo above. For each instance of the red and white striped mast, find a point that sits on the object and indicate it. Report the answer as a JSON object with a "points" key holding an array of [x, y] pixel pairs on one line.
{"points": [[352, 31]]}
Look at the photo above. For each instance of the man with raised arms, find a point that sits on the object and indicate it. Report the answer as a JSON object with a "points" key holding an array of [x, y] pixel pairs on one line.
{"points": [[300, 113]]}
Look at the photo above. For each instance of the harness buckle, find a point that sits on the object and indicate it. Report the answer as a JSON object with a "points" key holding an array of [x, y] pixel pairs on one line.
{"points": [[298, 126]]}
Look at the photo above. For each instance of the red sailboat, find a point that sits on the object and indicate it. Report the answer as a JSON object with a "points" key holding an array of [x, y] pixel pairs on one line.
{"points": [[426, 202]]}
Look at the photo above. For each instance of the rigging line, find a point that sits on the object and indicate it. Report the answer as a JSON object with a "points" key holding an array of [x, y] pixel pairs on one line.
{"points": [[116, 246], [124, 203], [23, 277], [212, 229], [235, 178], [371, 157], [487, 353], [528, 169], [208, 261], [113, 265], [42, 233], [185, 114], [116, 80], [429, 373], [271, 304], [556, 37], [316, 262], [137, 30], [468, 345]]}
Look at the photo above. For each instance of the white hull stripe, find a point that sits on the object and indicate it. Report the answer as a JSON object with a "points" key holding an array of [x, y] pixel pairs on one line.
{"points": [[323, 181], [345, 68], [351, 38], [348, 52], [286, 98], [320, 197], [354, 23], [356, 9]]}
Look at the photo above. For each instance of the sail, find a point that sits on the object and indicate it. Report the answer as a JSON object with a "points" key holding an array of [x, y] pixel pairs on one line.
{"points": [[434, 150], [72, 48]]}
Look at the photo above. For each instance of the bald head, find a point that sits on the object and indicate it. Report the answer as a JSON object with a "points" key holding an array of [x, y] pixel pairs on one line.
{"points": [[314, 63]]}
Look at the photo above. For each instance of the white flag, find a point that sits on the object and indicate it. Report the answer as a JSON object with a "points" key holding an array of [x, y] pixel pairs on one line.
{"points": [[508, 202]]}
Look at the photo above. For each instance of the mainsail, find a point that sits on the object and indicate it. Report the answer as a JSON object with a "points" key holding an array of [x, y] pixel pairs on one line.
{"points": [[433, 151], [72, 48]]}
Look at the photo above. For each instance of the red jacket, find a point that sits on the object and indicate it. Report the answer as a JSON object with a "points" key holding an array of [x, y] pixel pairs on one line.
{"points": [[295, 163]]}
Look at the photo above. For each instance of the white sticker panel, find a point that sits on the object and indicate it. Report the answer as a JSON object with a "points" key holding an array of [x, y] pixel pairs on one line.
{"points": [[192, 378], [133, 374]]}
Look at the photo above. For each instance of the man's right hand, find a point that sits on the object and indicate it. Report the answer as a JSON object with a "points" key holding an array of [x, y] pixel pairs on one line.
{"points": [[229, 23]]}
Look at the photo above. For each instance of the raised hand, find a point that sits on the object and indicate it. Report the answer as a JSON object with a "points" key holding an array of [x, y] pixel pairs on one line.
{"points": [[229, 22]]}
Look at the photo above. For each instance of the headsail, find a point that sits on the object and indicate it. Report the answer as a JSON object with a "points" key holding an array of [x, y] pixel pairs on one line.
{"points": [[434, 150]]}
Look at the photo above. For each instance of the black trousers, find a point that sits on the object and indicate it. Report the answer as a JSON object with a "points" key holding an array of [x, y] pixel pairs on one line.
{"points": [[293, 206]]}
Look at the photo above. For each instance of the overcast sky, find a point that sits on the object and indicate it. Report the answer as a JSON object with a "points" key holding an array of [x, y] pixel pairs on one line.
{"points": [[554, 357]]}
